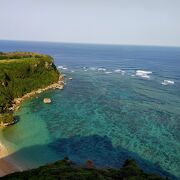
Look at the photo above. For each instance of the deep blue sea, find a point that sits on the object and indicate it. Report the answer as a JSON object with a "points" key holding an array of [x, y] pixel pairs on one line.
{"points": [[123, 102]]}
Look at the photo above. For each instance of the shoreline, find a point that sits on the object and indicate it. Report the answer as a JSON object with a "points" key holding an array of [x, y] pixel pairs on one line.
{"points": [[7, 164], [18, 101]]}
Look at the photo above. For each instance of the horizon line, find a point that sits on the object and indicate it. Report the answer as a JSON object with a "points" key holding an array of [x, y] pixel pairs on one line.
{"points": [[91, 43]]}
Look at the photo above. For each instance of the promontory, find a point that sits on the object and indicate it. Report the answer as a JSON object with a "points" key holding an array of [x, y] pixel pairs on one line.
{"points": [[22, 75]]}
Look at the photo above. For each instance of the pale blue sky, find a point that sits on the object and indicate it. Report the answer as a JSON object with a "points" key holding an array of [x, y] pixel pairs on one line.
{"points": [[148, 22]]}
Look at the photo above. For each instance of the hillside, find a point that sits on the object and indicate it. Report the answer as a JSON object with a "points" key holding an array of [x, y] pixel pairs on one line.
{"points": [[65, 169], [21, 73]]}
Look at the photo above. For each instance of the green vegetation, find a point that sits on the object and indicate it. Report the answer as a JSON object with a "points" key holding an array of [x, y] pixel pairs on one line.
{"points": [[19, 55], [7, 118], [65, 169], [22, 72]]}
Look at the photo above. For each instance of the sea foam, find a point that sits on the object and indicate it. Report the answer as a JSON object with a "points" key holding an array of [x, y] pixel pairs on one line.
{"points": [[143, 74], [119, 71], [101, 69], [108, 72], [167, 82], [62, 67]]}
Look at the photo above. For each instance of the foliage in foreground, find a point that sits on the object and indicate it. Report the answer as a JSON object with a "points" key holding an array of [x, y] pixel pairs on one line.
{"points": [[22, 72], [65, 169]]}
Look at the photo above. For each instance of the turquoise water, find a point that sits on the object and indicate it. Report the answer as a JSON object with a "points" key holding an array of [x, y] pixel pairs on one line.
{"points": [[103, 115]]}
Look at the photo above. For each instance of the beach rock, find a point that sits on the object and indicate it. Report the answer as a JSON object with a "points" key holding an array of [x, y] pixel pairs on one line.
{"points": [[47, 100], [61, 77], [61, 87], [61, 83], [17, 100]]}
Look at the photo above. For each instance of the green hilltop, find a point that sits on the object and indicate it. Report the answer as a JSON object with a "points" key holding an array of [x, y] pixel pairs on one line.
{"points": [[21, 73]]}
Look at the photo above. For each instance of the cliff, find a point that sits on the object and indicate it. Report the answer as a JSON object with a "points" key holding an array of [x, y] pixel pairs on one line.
{"points": [[22, 73]]}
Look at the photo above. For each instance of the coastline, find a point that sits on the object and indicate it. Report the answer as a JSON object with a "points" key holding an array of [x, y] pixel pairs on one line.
{"points": [[7, 164], [17, 101]]}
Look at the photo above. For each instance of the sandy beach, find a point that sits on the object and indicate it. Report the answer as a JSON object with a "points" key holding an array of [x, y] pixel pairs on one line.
{"points": [[7, 164]]}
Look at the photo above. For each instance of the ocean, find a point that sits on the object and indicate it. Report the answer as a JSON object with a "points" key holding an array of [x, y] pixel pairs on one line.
{"points": [[122, 102]]}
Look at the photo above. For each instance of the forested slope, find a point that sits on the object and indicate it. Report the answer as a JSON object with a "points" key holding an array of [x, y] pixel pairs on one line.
{"points": [[22, 72]]}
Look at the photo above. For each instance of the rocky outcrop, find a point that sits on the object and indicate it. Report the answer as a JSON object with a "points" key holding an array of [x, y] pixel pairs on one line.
{"points": [[2, 124], [47, 100]]}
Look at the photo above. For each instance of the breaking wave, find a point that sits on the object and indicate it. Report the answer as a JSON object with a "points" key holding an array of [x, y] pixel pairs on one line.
{"points": [[167, 82], [143, 74]]}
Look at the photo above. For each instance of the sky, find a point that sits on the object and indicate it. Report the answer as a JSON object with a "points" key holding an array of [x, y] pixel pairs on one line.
{"points": [[135, 22]]}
